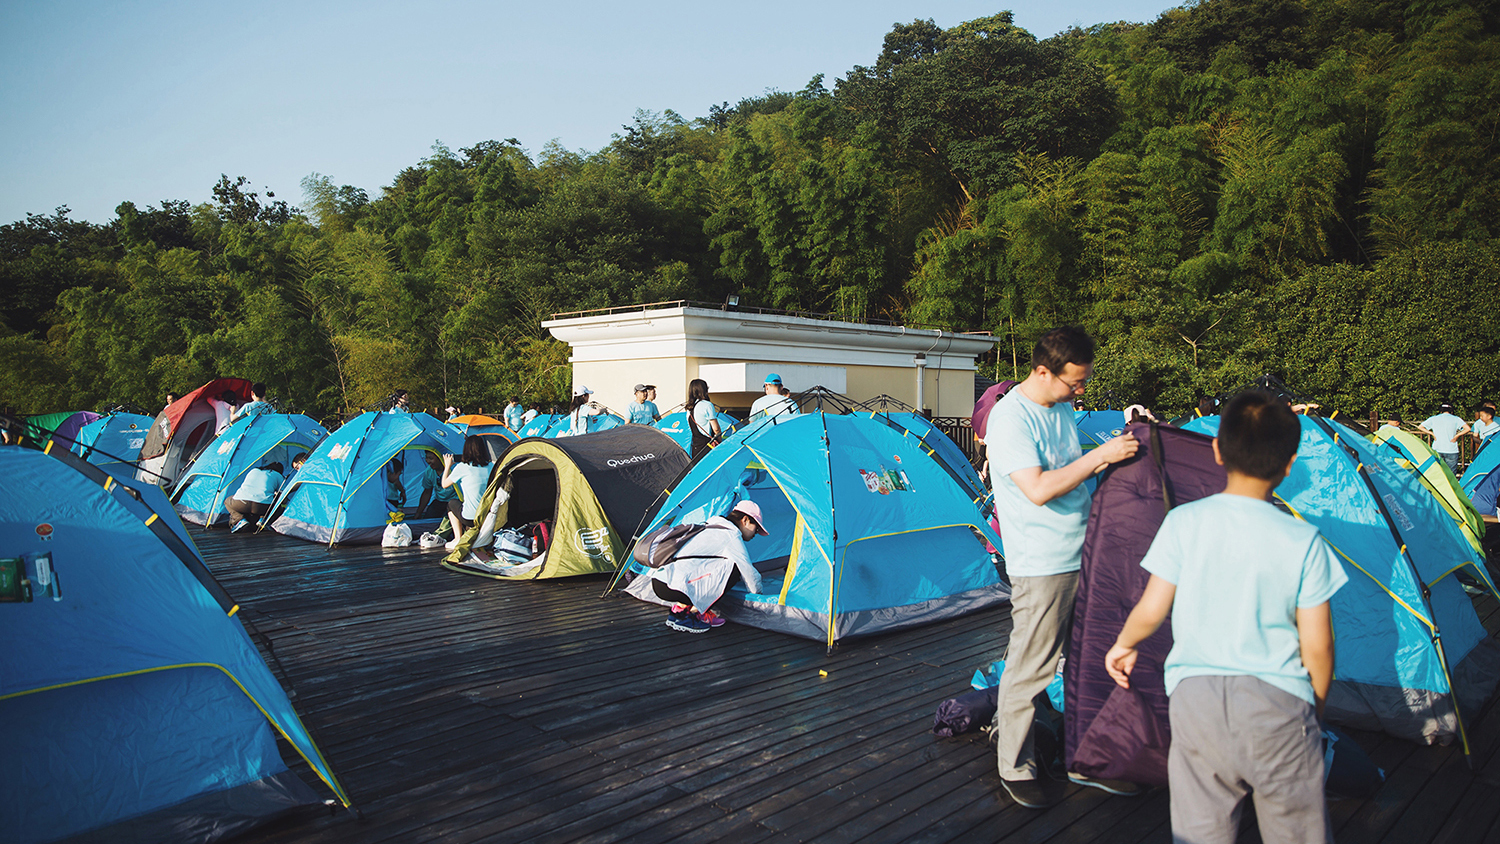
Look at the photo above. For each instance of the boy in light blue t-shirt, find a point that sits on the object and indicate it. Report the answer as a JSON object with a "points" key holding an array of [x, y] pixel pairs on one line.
{"points": [[1248, 590]]}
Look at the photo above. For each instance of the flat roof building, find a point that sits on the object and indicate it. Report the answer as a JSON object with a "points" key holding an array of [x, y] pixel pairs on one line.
{"points": [[672, 343]]}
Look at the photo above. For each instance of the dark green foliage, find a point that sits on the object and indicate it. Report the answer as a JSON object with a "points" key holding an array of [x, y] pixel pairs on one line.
{"points": [[1309, 188]]}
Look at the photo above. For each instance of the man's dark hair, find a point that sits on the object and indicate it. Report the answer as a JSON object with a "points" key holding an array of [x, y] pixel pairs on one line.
{"points": [[1206, 406], [275, 467], [300, 458], [1062, 346], [1258, 434], [258, 389]]}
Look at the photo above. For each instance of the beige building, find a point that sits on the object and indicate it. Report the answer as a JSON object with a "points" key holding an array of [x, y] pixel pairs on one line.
{"points": [[734, 350]]}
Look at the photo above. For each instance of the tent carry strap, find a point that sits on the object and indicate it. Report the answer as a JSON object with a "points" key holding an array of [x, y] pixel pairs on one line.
{"points": [[1161, 468]]}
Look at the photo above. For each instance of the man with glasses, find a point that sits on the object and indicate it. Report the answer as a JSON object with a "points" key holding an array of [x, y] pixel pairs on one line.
{"points": [[1037, 469]]}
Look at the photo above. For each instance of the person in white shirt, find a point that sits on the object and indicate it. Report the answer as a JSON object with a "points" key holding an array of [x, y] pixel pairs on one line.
{"points": [[706, 565], [1445, 429], [773, 403], [223, 409]]}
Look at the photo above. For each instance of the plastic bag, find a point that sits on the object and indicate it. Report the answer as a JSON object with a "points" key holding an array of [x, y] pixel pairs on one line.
{"points": [[396, 536]]}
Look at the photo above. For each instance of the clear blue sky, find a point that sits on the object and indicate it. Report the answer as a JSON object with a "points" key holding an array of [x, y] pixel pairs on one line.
{"points": [[119, 100]]}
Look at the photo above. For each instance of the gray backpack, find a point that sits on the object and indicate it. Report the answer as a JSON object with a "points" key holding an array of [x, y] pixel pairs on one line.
{"points": [[656, 549]]}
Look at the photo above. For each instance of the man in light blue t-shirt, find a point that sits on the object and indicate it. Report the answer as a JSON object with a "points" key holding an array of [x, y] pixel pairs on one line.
{"points": [[1248, 590], [1038, 468], [642, 411]]}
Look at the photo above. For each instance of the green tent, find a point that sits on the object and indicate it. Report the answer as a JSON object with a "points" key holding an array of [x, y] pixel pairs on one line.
{"points": [[1418, 457], [594, 489]]}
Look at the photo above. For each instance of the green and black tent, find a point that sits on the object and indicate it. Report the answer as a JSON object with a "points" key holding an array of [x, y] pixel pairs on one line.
{"points": [[594, 489]]}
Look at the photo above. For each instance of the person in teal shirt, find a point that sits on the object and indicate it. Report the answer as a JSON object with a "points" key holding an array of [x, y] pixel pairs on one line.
{"points": [[1248, 590], [642, 411], [435, 497], [256, 406], [253, 498], [1037, 469]]}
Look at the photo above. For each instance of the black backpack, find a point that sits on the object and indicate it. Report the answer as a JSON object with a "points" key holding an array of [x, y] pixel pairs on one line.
{"points": [[655, 550]]}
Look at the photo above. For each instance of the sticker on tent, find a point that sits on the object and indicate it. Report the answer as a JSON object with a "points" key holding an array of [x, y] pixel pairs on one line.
{"points": [[886, 481], [44, 530], [595, 543], [1395, 507]]}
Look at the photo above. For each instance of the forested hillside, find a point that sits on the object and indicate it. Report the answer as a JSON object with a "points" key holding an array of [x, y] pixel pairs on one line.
{"points": [[1309, 188]]}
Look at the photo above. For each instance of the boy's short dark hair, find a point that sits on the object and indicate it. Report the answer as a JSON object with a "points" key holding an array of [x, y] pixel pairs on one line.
{"points": [[1258, 434], [1062, 346], [258, 389]]}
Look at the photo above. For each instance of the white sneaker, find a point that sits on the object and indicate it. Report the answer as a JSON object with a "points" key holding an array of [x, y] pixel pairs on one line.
{"points": [[451, 546]]}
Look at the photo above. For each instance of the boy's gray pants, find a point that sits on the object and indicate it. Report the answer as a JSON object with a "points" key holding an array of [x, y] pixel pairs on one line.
{"points": [[1233, 736], [1041, 614]]}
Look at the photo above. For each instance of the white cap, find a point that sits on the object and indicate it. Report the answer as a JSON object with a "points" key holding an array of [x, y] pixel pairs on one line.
{"points": [[581, 390]]}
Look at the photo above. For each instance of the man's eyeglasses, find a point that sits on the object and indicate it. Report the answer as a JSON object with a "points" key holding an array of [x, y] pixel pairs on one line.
{"points": [[1075, 386]]}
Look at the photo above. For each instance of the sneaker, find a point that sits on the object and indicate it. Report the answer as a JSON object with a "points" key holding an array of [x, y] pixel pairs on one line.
{"points": [[234, 528], [1034, 794], [1120, 787], [686, 623], [450, 546], [711, 618]]}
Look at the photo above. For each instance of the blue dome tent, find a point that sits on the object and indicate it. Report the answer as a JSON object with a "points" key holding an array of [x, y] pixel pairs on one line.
{"points": [[867, 532], [1409, 643], [561, 426], [116, 438], [1097, 427], [341, 495], [138, 707], [1481, 481], [254, 441], [538, 426]]}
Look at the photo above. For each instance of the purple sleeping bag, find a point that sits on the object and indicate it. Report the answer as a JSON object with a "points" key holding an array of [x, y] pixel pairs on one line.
{"points": [[1117, 733]]}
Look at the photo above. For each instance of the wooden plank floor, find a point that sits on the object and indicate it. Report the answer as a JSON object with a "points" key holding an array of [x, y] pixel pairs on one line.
{"points": [[461, 709]]}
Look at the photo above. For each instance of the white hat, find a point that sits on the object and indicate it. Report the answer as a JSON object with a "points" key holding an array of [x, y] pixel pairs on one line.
{"points": [[581, 390]]}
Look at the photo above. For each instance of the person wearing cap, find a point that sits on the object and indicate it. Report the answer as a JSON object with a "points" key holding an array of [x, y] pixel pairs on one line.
{"points": [[1445, 429], [579, 413], [773, 403], [706, 565], [643, 410]]}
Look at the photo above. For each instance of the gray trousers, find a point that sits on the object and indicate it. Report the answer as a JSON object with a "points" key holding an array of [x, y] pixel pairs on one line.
{"points": [[1238, 736], [1041, 614]]}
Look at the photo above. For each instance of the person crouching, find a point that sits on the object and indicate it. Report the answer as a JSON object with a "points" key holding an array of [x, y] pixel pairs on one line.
{"points": [[706, 565]]}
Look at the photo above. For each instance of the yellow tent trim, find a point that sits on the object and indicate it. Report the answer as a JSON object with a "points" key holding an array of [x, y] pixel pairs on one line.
{"points": [[791, 565], [1351, 561], [153, 518], [327, 780]]}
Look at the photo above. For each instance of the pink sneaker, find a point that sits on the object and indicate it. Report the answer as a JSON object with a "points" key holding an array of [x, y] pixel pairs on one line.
{"points": [[711, 618]]}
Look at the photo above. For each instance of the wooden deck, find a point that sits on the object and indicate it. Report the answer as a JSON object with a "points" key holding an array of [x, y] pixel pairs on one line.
{"points": [[460, 709]]}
